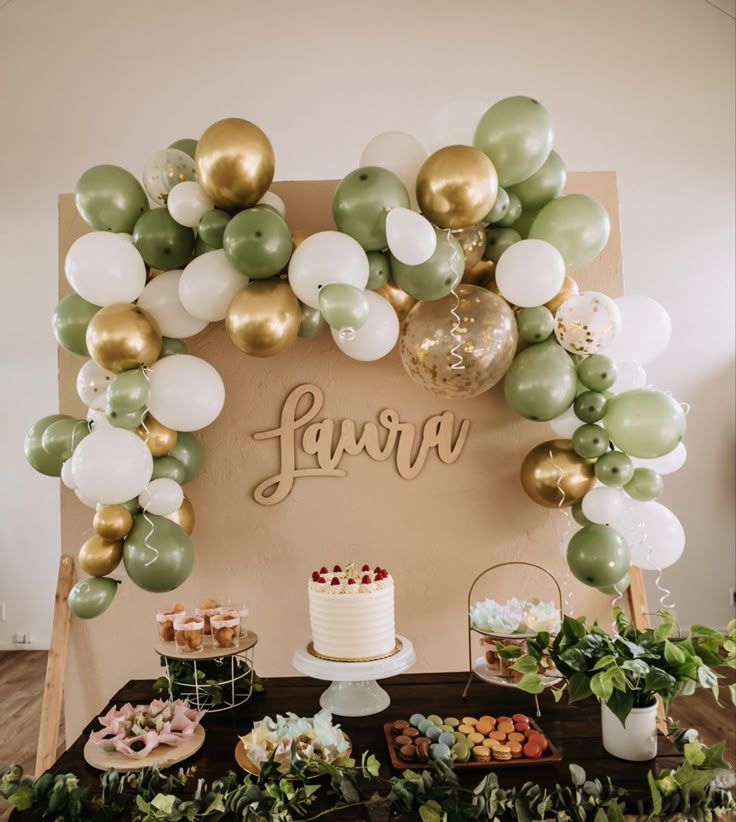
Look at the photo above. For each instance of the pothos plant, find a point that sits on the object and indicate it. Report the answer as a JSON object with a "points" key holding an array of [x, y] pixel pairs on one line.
{"points": [[209, 674]]}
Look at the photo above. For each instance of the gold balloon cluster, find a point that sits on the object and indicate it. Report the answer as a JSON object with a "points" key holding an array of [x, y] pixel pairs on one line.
{"points": [[158, 437], [122, 336], [101, 554], [401, 302], [263, 318], [553, 475], [184, 515]]}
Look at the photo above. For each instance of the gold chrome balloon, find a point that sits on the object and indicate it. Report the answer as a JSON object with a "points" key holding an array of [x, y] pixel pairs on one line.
{"points": [[159, 438], [122, 336], [553, 475], [184, 515], [263, 318], [456, 186], [112, 522], [569, 289], [472, 240], [401, 301], [481, 274], [98, 557], [235, 163]]}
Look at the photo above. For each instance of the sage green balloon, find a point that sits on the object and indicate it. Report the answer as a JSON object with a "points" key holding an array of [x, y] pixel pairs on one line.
{"points": [[614, 469], [128, 391], [379, 270], [362, 201], [161, 241], [343, 306], [535, 324], [257, 242], [524, 223], [590, 406], [61, 437], [212, 227], [544, 185], [201, 247], [500, 207], [92, 597], [617, 588], [516, 134], [188, 452], [645, 423], [170, 346], [169, 467], [131, 505], [312, 323], [498, 240], [597, 372], [110, 198], [438, 276], [598, 555], [187, 144], [513, 212], [541, 383], [590, 441], [644, 485], [69, 322], [577, 513], [37, 457], [576, 225], [158, 555], [129, 420]]}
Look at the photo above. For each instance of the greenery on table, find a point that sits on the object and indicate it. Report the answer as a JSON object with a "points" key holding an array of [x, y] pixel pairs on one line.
{"points": [[210, 676]]}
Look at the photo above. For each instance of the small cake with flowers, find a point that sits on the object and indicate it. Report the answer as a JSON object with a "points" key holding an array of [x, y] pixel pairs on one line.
{"points": [[351, 611]]}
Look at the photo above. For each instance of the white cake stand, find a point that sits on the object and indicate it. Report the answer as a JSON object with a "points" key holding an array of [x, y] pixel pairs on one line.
{"points": [[354, 690]]}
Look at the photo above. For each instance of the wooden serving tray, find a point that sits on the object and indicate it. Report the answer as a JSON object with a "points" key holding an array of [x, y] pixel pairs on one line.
{"points": [[547, 758]]}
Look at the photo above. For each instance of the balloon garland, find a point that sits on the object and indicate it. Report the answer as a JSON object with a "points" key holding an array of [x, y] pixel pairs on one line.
{"points": [[460, 256]]}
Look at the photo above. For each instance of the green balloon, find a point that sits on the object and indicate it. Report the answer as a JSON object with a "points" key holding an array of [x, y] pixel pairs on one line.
{"points": [[161, 241], [498, 240], [131, 505], [590, 406], [577, 513], [614, 469], [435, 278], [169, 467], [170, 345], [201, 247], [91, 597], [128, 391], [188, 452], [576, 225], [541, 383], [257, 242], [187, 144], [524, 223], [61, 437], [212, 227], [69, 322], [37, 457], [500, 207], [544, 185], [644, 485], [362, 201], [379, 270], [516, 134], [158, 555], [535, 324], [128, 420], [110, 198], [598, 555], [645, 423], [617, 588], [597, 372], [313, 323], [590, 441], [343, 306], [513, 212]]}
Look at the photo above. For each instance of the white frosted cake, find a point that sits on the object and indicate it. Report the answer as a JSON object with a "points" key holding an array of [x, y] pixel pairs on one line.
{"points": [[352, 613]]}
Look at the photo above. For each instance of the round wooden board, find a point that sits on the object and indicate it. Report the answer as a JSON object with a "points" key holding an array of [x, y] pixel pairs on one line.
{"points": [[165, 755], [242, 758]]}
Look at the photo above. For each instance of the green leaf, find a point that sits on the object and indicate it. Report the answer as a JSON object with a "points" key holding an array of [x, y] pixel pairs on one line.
{"points": [[714, 756], [635, 666], [707, 677], [372, 765], [525, 665], [558, 693], [655, 794], [577, 775], [579, 686], [694, 753], [604, 662], [573, 628], [22, 798], [600, 816], [431, 812], [658, 681], [621, 703], [615, 813], [531, 683], [522, 811], [732, 691], [601, 687], [673, 654]]}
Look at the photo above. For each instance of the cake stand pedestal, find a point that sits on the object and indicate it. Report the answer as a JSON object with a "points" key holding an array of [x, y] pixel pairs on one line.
{"points": [[354, 690]]}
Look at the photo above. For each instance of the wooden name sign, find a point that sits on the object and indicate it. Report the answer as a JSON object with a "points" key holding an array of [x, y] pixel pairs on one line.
{"points": [[317, 441]]}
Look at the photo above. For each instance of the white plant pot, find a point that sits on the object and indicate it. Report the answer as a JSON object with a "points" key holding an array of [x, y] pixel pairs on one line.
{"points": [[635, 741]]}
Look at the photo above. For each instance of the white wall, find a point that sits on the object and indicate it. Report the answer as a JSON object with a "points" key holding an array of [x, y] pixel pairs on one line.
{"points": [[646, 89]]}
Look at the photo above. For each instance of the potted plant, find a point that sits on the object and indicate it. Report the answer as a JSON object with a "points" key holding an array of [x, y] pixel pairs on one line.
{"points": [[627, 672]]}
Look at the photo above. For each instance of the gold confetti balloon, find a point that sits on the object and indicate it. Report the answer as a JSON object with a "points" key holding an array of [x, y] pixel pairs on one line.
{"points": [[472, 240], [569, 289], [587, 323]]}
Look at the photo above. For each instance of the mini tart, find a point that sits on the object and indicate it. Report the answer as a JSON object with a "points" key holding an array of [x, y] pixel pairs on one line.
{"points": [[481, 754]]}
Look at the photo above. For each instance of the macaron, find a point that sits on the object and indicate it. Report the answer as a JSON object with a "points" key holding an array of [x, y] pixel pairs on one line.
{"points": [[446, 738], [487, 718], [402, 740], [501, 752], [501, 719], [460, 736], [516, 749], [413, 733], [435, 720], [408, 752], [422, 745], [433, 732], [520, 718], [516, 737], [445, 727], [475, 738], [491, 743], [423, 725], [469, 720], [540, 739], [451, 721], [399, 726], [506, 727], [481, 753], [521, 727], [484, 727], [415, 719], [466, 729], [460, 752], [439, 751], [499, 735], [532, 750]]}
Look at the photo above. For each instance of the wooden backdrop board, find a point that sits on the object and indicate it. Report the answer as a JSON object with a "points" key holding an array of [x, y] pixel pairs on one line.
{"points": [[434, 533]]}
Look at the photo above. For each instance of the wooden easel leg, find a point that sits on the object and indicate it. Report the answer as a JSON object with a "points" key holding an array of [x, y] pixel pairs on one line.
{"points": [[53, 691]]}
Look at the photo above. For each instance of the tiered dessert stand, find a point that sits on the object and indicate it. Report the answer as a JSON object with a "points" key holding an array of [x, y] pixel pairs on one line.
{"points": [[354, 690]]}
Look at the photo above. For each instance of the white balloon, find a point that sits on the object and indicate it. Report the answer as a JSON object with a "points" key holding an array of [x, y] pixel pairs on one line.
{"points": [[655, 536], [604, 505], [646, 329], [187, 393], [67, 475], [324, 258], [667, 464], [455, 123], [411, 237], [398, 152], [208, 284], [90, 502], [160, 298], [530, 273], [187, 203], [273, 200], [585, 323], [165, 169], [629, 375], [97, 420], [377, 336], [161, 496], [92, 382], [111, 465], [105, 268], [566, 424]]}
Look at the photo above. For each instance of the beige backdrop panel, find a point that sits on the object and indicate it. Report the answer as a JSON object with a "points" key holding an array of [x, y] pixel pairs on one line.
{"points": [[434, 533]]}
